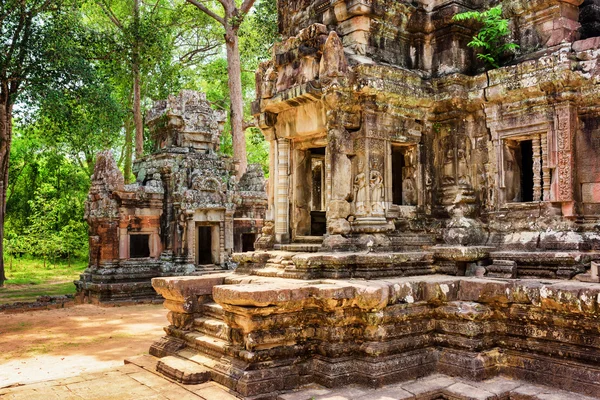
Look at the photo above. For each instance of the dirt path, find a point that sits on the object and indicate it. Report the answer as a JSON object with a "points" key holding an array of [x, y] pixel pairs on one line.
{"points": [[43, 345]]}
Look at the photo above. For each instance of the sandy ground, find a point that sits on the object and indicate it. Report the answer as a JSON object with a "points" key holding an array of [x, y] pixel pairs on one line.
{"points": [[51, 344]]}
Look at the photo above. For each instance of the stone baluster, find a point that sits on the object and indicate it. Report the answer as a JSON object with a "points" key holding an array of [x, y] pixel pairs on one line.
{"points": [[537, 168], [545, 168]]}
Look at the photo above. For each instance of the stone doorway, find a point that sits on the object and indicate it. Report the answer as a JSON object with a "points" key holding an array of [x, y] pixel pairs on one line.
{"points": [[248, 240], [522, 170], [309, 194], [139, 246], [207, 244], [317, 203]]}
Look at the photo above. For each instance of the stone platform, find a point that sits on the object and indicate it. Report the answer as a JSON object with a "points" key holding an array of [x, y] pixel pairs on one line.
{"points": [[260, 335], [138, 378]]}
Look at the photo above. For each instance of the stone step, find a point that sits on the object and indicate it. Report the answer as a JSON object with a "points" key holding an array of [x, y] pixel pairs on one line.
{"points": [[309, 239], [273, 265], [212, 327], [211, 345], [213, 310], [199, 358], [300, 247], [183, 371]]}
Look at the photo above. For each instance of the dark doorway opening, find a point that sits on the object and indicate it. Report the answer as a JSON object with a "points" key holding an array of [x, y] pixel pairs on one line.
{"points": [[204, 239], [318, 223], [317, 184], [397, 171], [318, 151], [526, 149], [248, 240], [139, 246]]}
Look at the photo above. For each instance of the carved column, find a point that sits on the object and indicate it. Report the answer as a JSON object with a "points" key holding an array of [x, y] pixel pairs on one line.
{"points": [[282, 191], [564, 127], [537, 166], [545, 168], [190, 236]]}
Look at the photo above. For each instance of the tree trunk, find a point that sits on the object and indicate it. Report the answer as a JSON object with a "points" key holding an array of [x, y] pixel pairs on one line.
{"points": [[128, 149], [137, 113], [135, 67], [234, 73], [5, 141]]}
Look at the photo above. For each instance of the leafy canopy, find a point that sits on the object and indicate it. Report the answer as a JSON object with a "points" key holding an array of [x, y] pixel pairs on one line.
{"points": [[491, 36]]}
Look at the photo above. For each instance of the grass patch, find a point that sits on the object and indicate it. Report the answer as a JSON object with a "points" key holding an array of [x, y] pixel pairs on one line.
{"points": [[29, 278]]}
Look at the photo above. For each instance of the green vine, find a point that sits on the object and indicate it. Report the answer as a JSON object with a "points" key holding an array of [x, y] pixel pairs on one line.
{"points": [[491, 36]]}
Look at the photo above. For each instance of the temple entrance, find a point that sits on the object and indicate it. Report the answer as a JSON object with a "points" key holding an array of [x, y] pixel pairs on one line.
{"points": [[317, 210], [526, 156], [520, 171], [309, 194], [248, 240], [207, 244], [204, 240], [404, 175], [139, 246]]}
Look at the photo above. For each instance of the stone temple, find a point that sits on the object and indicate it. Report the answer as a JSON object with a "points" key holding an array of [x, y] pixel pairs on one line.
{"points": [[425, 215], [185, 214]]}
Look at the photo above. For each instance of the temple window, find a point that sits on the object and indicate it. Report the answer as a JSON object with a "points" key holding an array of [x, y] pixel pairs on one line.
{"points": [[139, 246]]}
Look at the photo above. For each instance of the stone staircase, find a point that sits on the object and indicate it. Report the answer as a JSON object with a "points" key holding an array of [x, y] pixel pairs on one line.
{"points": [[202, 347], [207, 269], [305, 244]]}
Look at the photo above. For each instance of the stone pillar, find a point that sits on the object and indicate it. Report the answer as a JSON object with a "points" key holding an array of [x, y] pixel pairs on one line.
{"points": [[269, 134], [537, 167], [282, 208], [227, 232], [545, 168], [123, 243], [564, 125], [190, 236], [167, 218]]}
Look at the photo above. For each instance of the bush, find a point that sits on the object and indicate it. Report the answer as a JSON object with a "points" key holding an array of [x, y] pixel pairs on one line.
{"points": [[491, 38]]}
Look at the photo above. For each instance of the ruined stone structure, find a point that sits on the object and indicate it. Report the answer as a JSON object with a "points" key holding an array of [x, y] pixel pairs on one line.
{"points": [[185, 214], [424, 214]]}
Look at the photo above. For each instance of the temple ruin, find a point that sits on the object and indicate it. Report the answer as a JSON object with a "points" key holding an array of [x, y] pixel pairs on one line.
{"points": [[184, 215], [425, 215]]}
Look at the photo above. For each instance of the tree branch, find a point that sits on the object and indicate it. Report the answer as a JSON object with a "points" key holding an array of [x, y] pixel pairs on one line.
{"points": [[189, 56], [249, 124], [204, 9], [246, 6], [113, 18]]}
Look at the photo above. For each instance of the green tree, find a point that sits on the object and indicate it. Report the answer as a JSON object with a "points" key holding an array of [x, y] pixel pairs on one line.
{"points": [[141, 61], [44, 48], [491, 38], [230, 17], [45, 201]]}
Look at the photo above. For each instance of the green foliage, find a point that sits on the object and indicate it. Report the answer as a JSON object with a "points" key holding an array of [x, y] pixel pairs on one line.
{"points": [[258, 149], [77, 99], [45, 203], [491, 38]]}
